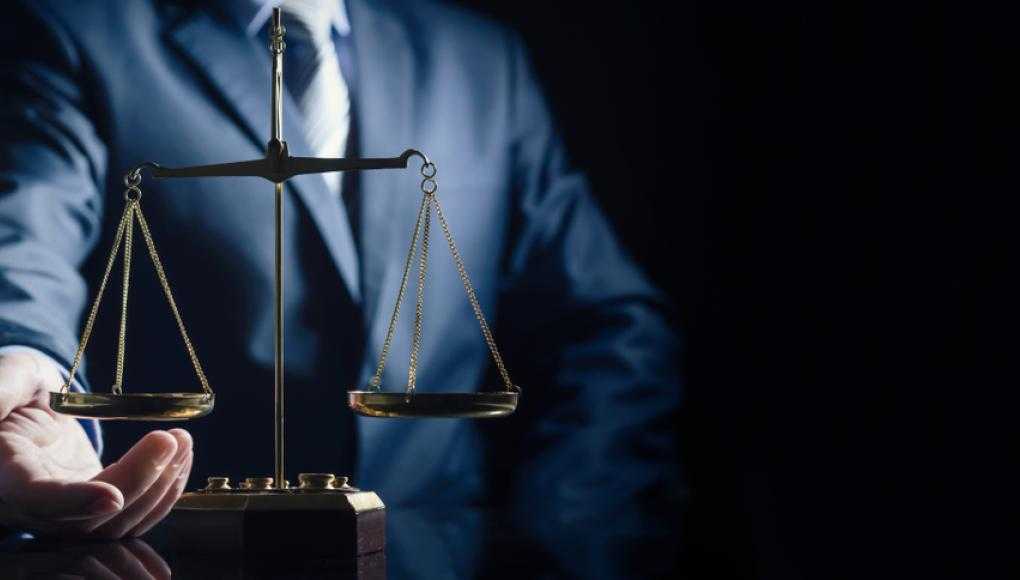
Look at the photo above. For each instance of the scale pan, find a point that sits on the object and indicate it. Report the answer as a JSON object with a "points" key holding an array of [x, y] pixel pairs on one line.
{"points": [[422, 405], [134, 406]]}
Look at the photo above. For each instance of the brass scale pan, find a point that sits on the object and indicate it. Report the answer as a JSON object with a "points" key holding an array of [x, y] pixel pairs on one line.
{"points": [[184, 406], [134, 406], [463, 405]]}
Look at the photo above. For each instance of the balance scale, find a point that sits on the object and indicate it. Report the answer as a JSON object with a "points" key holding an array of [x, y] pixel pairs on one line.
{"points": [[322, 513]]}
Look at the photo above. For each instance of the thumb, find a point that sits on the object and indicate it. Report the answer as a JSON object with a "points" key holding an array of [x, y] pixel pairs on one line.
{"points": [[20, 381]]}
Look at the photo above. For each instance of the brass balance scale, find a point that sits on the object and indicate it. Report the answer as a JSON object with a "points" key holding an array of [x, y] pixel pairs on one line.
{"points": [[225, 516]]}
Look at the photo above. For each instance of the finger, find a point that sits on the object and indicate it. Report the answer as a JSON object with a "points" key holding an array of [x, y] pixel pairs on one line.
{"points": [[48, 499], [166, 503], [153, 562], [141, 466], [133, 514]]}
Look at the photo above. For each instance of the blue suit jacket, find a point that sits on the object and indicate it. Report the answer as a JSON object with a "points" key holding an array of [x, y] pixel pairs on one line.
{"points": [[91, 89]]}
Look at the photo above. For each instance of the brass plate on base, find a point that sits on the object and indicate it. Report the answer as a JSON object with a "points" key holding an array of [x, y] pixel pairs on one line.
{"points": [[437, 405], [134, 406]]}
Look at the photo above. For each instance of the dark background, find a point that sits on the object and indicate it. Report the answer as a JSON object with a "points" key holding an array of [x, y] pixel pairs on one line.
{"points": [[805, 180], [818, 188]]}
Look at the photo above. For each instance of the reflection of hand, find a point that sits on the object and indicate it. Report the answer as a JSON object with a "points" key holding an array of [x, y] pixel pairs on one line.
{"points": [[126, 560], [51, 480]]}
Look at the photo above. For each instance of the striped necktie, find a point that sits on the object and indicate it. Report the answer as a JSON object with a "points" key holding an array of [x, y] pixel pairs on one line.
{"points": [[316, 81]]}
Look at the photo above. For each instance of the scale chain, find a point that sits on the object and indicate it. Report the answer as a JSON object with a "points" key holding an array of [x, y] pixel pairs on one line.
{"points": [[125, 234], [376, 381], [430, 198], [473, 299], [91, 320], [419, 306], [118, 381], [165, 283]]}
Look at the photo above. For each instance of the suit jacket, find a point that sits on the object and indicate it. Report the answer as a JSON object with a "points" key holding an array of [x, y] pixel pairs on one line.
{"points": [[92, 89]]}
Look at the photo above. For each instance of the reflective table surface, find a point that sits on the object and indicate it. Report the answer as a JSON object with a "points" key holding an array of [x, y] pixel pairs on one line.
{"points": [[421, 543]]}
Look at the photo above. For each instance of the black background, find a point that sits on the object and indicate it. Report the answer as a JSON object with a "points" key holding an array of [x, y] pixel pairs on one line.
{"points": [[818, 187], [805, 180]]}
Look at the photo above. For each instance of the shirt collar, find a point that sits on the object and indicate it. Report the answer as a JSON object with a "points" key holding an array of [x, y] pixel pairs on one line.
{"points": [[255, 13]]}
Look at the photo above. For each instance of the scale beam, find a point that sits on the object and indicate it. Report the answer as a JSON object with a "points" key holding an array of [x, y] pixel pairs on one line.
{"points": [[280, 167]]}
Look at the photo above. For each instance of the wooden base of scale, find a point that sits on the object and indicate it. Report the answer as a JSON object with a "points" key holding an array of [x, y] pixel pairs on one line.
{"points": [[338, 522]]}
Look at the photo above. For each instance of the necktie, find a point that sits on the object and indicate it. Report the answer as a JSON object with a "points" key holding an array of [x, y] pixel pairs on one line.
{"points": [[315, 80]]}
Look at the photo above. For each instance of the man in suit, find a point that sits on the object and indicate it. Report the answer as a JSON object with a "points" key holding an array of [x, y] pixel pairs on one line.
{"points": [[93, 89]]}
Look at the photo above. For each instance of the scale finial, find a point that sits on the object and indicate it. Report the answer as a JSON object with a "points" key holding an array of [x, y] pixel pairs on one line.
{"points": [[276, 43], [277, 46]]}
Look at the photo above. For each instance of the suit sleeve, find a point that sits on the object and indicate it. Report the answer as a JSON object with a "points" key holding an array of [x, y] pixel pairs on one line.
{"points": [[52, 162], [594, 338]]}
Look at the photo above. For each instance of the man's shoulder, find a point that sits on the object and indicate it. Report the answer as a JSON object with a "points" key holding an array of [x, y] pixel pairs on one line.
{"points": [[444, 16], [441, 26], [110, 23], [447, 29], [103, 13]]}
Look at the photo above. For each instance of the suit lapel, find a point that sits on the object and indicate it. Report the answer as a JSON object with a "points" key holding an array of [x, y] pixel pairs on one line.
{"points": [[238, 68], [385, 119], [234, 66]]}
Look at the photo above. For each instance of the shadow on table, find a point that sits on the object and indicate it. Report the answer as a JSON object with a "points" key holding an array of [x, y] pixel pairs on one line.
{"points": [[421, 543], [490, 544]]}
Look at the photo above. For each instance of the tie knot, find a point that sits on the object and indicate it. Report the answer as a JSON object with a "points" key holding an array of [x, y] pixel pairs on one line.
{"points": [[314, 16]]}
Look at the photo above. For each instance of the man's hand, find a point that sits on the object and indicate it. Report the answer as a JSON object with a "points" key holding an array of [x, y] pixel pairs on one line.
{"points": [[51, 480]]}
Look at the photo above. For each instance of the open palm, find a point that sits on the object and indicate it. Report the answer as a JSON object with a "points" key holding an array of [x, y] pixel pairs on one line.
{"points": [[51, 480]]}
